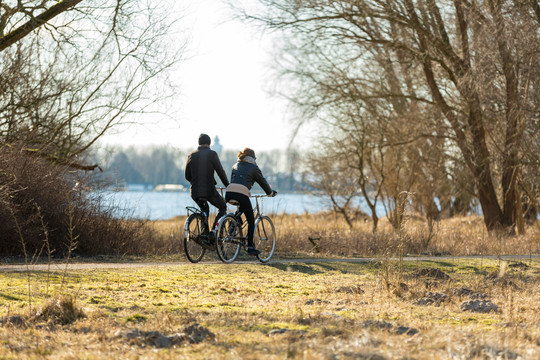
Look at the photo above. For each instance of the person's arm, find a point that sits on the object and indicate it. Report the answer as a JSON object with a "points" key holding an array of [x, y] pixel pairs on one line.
{"points": [[259, 178], [219, 169], [187, 171]]}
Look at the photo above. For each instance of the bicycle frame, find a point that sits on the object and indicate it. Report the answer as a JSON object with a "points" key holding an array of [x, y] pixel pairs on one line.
{"points": [[256, 216], [194, 210], [231, 230]]}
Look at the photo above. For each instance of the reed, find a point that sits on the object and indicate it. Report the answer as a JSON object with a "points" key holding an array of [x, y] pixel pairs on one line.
{"points": [[327, 234]]}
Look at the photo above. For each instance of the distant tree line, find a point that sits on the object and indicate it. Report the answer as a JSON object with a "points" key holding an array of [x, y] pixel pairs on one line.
{"points": [[155, 165]]}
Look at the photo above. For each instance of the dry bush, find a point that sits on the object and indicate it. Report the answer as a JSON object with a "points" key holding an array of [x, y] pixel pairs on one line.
{"points": [[46, 205], [61, 310]]}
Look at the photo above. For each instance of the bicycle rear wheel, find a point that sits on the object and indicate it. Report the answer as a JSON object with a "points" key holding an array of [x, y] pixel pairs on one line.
{"points": [[265, 238], [193, 229], [227, 239]]}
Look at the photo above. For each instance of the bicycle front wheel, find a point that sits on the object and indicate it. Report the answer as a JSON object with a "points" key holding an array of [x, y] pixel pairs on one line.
{"points": [[193, 229], [227, 239], [265, 238]]}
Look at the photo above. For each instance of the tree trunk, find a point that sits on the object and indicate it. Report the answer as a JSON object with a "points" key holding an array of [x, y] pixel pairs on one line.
{"points": [[375, 219], [490, 206], [510, 200]]}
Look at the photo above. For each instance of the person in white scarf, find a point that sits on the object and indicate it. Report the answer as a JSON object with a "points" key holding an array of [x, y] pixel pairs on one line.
{"points": [[244, 174]]}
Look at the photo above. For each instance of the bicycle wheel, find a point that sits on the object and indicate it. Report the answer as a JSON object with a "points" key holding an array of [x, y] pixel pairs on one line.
{"points": [[193, 228], [227, 239], [265, 238]]}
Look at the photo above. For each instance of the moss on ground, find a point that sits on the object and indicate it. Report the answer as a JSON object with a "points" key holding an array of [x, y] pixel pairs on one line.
{"points": [[322, 310]]}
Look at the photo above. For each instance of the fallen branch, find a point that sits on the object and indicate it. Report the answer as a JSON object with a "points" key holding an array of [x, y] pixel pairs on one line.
{"points": [[315, 242]]}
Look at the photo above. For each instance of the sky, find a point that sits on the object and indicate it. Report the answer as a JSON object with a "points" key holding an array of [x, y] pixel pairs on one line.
{"points": [[222, 88]]}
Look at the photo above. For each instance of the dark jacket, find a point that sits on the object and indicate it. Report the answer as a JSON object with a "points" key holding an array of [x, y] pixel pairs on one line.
{"points": [[200, 168], [247, 174]]}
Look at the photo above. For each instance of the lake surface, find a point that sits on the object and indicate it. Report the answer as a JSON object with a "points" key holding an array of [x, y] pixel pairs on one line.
{"points": [[165, 205]]}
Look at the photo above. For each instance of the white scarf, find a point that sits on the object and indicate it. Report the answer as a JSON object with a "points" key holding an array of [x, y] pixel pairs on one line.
{"points": [[249, 159]]}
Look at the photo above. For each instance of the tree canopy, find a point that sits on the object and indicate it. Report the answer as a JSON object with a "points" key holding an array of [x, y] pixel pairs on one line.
{"points": [[430, 87], [71, 70]]}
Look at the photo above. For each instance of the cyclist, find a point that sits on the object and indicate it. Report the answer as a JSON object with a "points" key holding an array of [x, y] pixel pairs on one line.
{"points": [[199, 171], [244, 174]]}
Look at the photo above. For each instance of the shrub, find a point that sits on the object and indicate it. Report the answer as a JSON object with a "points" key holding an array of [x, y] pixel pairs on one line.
{"points": [[46, 204]]}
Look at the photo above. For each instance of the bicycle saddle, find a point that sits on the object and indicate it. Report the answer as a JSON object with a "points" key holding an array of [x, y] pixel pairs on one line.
{"points": [[234, 202]]}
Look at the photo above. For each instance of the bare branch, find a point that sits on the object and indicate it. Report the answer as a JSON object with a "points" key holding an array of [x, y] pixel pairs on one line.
{"points": [[35, 22]]}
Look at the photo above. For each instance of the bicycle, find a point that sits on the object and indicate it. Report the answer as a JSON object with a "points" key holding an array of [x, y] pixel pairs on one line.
{"points": [[230, 238], [196, 231]]}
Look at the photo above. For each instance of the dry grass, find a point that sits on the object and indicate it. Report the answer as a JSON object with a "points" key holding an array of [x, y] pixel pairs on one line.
{"points": [[276, 311], [377, 310], [331, 236], [61, 310]]}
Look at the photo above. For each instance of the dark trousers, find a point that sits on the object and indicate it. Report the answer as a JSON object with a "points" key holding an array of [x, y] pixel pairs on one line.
{"points": [[215, 200], [247, 209]]}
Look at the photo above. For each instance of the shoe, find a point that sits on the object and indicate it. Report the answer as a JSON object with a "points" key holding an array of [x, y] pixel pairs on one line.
{"points": [[211, 235], [252, 251], [204, 240]]}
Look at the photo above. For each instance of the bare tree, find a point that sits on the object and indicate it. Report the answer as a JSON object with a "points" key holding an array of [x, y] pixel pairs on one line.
{"points": [[478, 79], [72, 70], [326, 178], [373, 125], [18, 18]]}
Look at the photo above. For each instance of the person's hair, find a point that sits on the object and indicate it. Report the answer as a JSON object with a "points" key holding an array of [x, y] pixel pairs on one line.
{"points": [[246, 152], [204, 139]]}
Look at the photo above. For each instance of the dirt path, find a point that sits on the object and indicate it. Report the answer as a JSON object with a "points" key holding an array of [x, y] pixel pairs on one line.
{"points": [[135, 265]]}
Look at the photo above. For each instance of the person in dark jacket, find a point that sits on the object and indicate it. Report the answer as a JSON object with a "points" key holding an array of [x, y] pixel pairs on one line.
{"points": [[199, 171], [244, 174]]}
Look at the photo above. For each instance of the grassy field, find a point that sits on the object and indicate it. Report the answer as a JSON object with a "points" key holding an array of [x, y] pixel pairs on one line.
{"points": [[380, 310]]}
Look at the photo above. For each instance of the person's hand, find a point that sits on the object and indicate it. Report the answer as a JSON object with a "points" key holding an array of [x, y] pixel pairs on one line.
{"points": [[274, 193]]}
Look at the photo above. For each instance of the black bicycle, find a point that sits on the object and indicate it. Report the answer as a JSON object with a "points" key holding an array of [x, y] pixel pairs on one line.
{"points": [[196, 231], [232, 227]]}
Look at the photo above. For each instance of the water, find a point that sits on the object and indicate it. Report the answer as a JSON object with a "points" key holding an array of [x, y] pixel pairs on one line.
{"points": [[165, 205], [154, 205]]}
